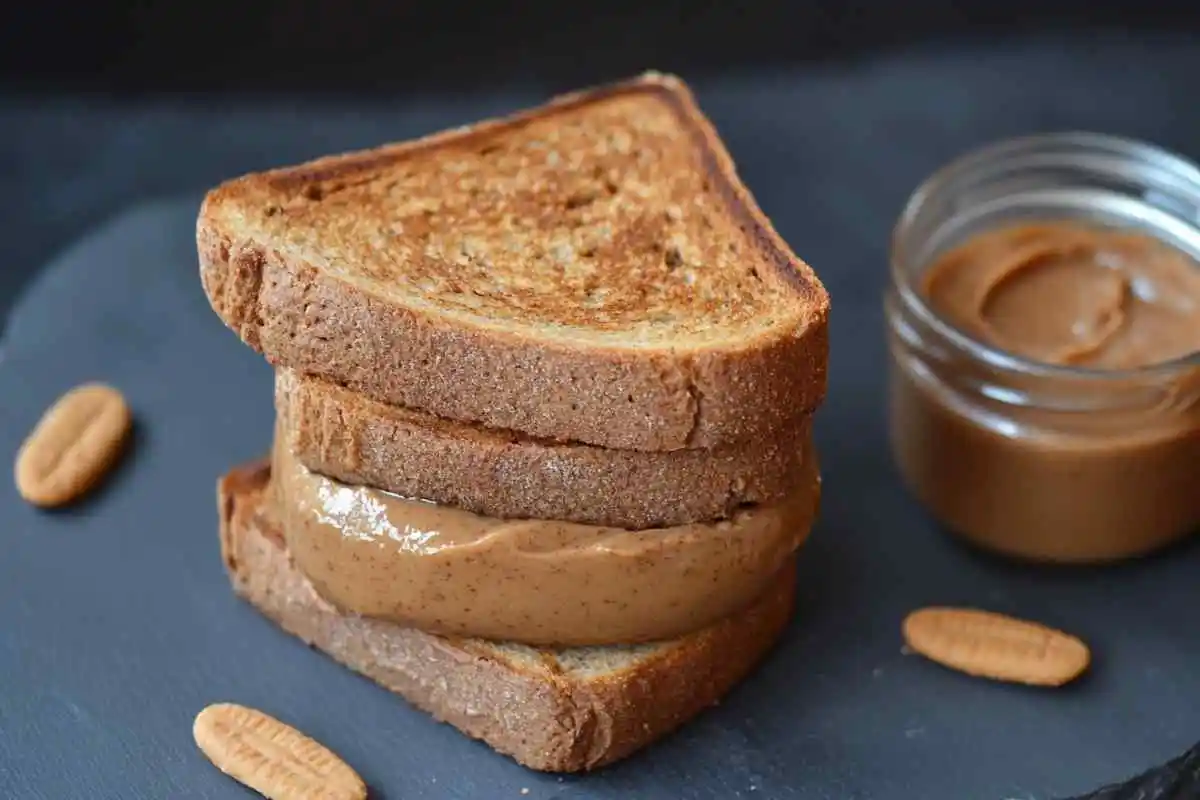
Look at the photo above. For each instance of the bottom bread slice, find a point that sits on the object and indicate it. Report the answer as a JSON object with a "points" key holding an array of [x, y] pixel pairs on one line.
{"points": [[558, 710]]}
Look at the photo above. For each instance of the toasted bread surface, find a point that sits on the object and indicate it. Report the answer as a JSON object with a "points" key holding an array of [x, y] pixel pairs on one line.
{"points": [[357, 440], [560, 710], [591, 270]]}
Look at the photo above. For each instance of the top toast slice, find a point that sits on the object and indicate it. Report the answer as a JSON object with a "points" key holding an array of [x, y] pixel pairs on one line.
{"points": [[590, 270]]}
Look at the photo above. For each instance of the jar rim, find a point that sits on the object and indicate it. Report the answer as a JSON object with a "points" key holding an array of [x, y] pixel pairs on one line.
{"points": [[1065, 143]]}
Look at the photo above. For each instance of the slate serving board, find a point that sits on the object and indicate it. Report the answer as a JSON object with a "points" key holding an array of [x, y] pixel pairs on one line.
{"points": [[117, 624]]}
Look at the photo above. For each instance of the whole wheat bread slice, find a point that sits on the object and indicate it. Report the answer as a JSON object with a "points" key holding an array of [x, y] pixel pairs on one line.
{"points": [[591, 270], [556, 710], [348, 436]]}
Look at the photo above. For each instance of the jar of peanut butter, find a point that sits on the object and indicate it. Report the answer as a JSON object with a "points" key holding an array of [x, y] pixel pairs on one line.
{"points": [[1044, 329]]}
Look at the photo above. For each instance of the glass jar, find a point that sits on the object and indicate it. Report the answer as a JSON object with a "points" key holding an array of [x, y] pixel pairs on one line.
{"points": [[1042, 461]]}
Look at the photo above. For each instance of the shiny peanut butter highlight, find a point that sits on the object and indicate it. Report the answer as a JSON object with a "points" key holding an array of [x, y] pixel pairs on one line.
{"points": [[1071, 294], [450, 571]]}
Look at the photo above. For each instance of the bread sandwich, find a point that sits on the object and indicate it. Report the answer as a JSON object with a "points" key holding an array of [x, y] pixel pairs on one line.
{"points": [[544, 396]]}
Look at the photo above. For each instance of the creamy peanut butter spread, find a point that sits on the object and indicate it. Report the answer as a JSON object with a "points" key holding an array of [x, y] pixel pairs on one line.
{"points": [[1081, 474], [450, 571], [1071, 294]]}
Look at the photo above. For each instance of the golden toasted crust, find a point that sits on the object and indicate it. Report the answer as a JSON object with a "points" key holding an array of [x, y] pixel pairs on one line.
{"points": [[592, 270], [554, 710], [354, 439]]}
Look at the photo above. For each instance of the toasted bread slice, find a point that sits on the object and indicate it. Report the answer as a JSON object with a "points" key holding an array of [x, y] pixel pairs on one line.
{"points": [[357, 440], [591, 270], [557, 710]]}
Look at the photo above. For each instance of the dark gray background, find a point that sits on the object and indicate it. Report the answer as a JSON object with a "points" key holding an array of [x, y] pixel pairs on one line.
{"points": [[116, 624], [391, 49]]}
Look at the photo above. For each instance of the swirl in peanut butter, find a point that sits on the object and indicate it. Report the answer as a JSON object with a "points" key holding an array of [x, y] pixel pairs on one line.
{"points": [[1071, 294]]}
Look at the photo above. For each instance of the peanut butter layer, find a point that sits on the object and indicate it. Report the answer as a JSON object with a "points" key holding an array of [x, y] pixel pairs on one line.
{"points": [[1072, 294], [543, 582]]}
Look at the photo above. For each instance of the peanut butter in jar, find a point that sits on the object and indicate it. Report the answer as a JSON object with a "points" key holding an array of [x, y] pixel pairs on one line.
{"points": [[1044, 324]]}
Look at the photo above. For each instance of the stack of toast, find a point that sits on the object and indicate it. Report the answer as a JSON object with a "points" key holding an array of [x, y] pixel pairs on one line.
{"points": [[544, 392]]}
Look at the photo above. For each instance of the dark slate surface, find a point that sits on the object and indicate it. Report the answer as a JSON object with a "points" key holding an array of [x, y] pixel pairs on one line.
{"points": [[116, 623]]}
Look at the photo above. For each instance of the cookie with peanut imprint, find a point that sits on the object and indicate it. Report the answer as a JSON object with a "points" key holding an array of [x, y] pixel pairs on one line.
{"points": [[995, 646], [75, 444], [271, 757]]}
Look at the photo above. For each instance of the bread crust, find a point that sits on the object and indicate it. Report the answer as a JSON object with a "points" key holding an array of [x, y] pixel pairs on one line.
{"points": [[620, 397], [356, 440], [535, 705]]}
